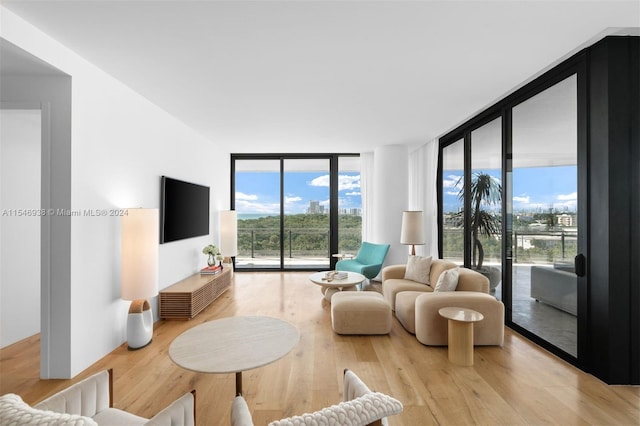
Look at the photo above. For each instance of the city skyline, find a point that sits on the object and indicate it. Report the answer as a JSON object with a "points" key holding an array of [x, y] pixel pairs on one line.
{"points": [[258, 193]]}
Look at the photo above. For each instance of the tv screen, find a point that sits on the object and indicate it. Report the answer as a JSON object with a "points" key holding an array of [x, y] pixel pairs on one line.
{"points": [[184, 210]]}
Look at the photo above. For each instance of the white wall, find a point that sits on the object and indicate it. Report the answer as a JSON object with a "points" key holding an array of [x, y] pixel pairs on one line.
{"points": [[19, 225], [390, 182], [120, 146]]}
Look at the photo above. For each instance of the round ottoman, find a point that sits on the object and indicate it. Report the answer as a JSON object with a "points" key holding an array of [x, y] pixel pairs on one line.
{"points": [[360, 312]]}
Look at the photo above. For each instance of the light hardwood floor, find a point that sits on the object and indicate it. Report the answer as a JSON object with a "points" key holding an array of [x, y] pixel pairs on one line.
{"points": [[518, 384]]}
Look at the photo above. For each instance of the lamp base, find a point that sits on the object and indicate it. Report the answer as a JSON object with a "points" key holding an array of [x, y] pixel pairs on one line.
{"points": [[139, 324]]}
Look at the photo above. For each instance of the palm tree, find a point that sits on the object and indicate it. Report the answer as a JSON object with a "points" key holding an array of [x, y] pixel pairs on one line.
{"points": [[485, 190]]}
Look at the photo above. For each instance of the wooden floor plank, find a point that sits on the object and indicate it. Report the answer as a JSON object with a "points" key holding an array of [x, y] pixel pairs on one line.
{"points": [[518, 384]]}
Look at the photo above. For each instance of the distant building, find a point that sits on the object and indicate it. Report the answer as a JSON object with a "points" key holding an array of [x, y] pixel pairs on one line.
{"points": [[315, 207], [566, 219], [350, 212]]}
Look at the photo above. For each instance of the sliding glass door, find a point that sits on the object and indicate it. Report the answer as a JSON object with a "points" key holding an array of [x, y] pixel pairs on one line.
{"points": [[307, 204], [544, 208], [295, 211]]}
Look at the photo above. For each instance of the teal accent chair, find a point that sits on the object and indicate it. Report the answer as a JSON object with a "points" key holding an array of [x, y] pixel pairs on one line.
{"points": [[367, 262]]}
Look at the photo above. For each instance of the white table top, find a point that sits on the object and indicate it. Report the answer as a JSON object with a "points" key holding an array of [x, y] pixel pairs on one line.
{"points": [[233, 344], [352, 279], [461, 314], [344, 255]]}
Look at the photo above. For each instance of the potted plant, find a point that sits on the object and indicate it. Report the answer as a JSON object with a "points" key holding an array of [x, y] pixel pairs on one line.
{"points": [[485, 191], [213, 253]]}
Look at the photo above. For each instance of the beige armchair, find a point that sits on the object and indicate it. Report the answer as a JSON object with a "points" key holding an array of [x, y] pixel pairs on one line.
{"points": [[90, 402], [360, 407]]}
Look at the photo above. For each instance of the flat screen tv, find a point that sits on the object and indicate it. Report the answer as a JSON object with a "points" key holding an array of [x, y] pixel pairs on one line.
{"points": [[184, 210]]}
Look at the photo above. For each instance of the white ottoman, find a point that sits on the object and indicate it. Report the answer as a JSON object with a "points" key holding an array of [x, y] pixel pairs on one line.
{"points": [[362, 312]]}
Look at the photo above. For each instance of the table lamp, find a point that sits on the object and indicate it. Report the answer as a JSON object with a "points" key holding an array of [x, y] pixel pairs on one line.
{"points": [[412, 229], [139, 268]]}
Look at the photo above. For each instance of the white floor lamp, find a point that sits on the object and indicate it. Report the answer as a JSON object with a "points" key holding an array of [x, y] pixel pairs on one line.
{"points": [[229, 235], [140, 239]]}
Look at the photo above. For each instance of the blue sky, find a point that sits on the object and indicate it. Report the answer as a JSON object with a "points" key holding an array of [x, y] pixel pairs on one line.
{"points": [[259, 192], [534, 189]]}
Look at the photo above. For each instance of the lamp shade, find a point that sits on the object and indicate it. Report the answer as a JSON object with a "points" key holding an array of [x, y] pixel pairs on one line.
{"points": [[412, 228], [139, 264], [229, 233]]}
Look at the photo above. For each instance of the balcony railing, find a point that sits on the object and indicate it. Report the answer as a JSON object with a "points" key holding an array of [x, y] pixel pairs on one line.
{"points": [[298, 242], [529, 246]]}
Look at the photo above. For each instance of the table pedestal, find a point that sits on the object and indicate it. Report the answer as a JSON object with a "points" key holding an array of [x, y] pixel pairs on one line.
{"points": [[460, 329]]}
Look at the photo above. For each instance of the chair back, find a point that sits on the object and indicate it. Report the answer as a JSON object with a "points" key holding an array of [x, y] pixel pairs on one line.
{"points": [[372, 254]]}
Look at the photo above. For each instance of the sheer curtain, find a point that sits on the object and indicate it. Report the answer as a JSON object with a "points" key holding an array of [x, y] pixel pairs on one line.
{"points": [[367, 194], [423, 170]]}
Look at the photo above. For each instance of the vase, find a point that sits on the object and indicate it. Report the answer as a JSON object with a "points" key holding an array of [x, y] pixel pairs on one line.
{"points": [[211, 260]]}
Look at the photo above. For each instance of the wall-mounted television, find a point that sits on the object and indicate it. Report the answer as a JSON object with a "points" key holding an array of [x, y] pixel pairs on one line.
{"points": [[184, 210]]}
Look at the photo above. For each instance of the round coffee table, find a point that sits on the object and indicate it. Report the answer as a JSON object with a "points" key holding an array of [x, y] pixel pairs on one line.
{"points": [[331, 286], [233, 344], [461, 333]]}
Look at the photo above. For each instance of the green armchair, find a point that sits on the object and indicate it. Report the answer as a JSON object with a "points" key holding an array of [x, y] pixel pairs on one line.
{"points": [[367, 262]]}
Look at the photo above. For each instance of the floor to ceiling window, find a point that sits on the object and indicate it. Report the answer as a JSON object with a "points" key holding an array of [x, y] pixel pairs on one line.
{"points": [[295, 211], [509, 184]]}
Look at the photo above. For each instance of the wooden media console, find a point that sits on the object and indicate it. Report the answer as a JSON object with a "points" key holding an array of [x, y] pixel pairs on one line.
{"points": [[187, 298]]}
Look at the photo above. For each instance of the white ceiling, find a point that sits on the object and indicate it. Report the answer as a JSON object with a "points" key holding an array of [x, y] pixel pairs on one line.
{"points": [[324, 76]]}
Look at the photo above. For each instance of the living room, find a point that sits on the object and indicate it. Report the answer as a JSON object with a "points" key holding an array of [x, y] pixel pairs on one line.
{"points": [[109, 145]]}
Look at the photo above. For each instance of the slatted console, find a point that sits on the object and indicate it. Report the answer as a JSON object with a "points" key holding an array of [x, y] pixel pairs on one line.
{"points": [[187, 298]]}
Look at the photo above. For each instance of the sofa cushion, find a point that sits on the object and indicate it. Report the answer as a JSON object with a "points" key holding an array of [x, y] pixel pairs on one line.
{"points": [[418, 268], [448, 280], [390, 288]]}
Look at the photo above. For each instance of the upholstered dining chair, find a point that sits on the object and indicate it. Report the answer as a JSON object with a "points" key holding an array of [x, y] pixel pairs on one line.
{"points": [[88, 403], [367, 262], [360, 407]]}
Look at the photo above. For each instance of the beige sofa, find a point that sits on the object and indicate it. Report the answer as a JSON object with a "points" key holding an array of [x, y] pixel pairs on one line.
{"points": [[416, 305], [393, 281]]}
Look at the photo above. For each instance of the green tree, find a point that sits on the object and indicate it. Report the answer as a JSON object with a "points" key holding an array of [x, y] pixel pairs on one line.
{"points": [[485, 190]]}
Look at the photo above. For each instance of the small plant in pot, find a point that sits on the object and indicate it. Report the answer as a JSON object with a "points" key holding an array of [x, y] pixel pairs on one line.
{"points": [[213, 254], [485, 191]]}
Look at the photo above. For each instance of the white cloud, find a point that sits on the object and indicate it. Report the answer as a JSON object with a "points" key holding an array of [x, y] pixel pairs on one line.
{"points": [[522, 199], [353, 194], [245, 206], [348, 182], [345, 182], [247, 197], [292, 199], [453, 181], [568, 197], [320, 181]]}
